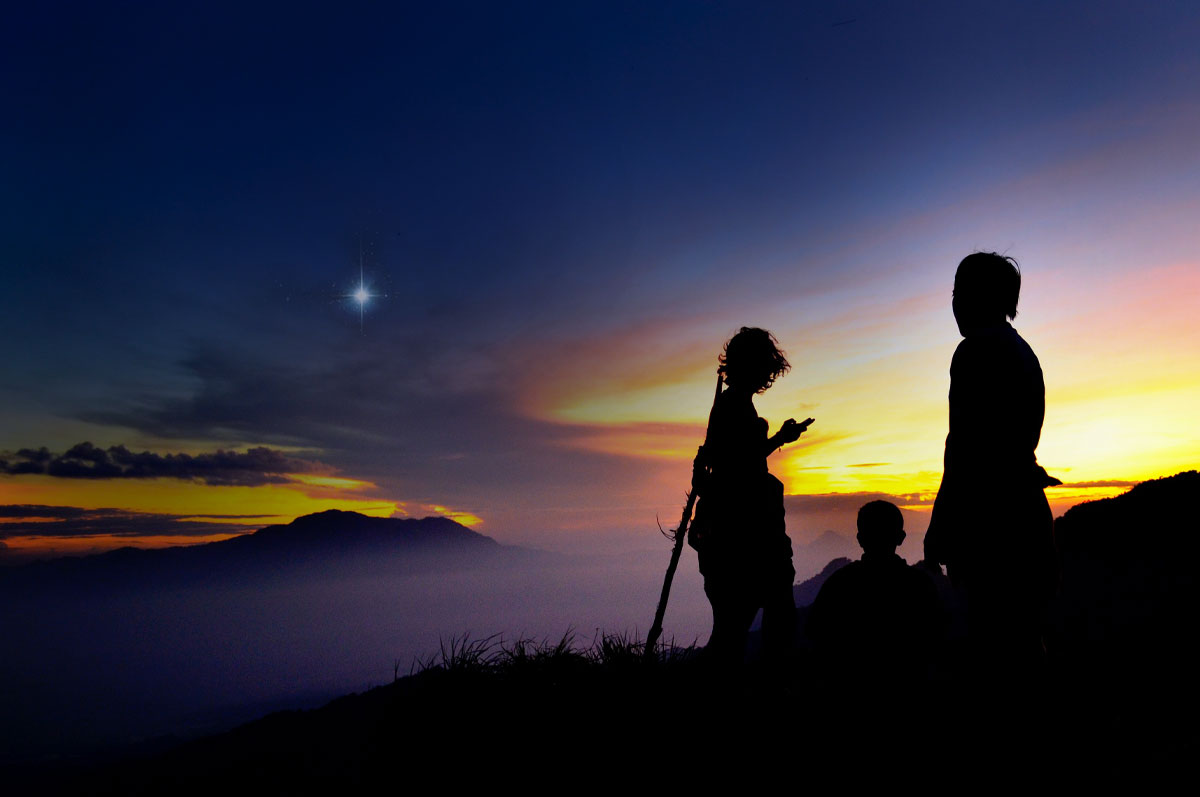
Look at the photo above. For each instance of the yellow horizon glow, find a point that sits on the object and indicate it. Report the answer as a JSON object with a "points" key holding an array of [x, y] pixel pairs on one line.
{"points": [[338, 482], [193, 501], [262, 505], [464, 518], [1120, 354], [269, 502], [408, 509], [1121, 361]]}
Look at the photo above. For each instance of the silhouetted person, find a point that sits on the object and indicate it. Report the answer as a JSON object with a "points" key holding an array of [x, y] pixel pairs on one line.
{"points": [[744, 551], [991, 524], [876, 622]]}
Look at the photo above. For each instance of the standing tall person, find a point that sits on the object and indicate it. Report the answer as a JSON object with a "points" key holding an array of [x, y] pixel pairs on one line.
{"points": [[744, 551], [991, 524]]}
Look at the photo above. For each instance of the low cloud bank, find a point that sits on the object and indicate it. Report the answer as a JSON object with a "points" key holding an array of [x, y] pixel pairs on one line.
{"points": [[252, 468], [19, 520]]}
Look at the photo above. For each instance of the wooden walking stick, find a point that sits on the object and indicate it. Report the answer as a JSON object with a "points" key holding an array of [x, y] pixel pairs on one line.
{"points": [[679, 535]]}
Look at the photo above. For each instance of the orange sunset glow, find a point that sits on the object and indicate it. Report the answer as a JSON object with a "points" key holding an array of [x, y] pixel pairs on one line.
{"points": [[1121, 362], [541, 367]]}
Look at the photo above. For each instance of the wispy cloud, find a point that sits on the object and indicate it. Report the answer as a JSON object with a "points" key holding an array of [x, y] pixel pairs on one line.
{"points": [[1100, 483], [20, 520], [823, 525], [422, 425], [853, 501]]}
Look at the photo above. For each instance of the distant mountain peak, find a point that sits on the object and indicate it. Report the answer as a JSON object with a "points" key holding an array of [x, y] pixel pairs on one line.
{"points": [[316, 541], [331, 513], [343, 528]]}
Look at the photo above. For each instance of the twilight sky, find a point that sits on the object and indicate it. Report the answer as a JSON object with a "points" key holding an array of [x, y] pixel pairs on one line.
{"points": [[564, 210]]}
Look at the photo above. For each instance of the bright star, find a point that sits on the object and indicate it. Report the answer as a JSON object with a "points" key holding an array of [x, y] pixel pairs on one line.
{"points": [[362, 294]]}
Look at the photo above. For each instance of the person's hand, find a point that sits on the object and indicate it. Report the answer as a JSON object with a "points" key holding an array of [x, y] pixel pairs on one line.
{"points": [[930, 566], [935, 552], [790, 431]]}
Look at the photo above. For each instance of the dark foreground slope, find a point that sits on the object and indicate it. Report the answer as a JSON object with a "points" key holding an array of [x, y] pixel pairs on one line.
{"points": [[1122, 631], [1130, 590], [562, 720], [1117, 701], [552, 719]]}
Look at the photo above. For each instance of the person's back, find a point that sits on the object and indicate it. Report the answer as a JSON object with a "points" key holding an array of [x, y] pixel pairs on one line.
{"points": [[997, 404], [991, 524], [878, 609]]}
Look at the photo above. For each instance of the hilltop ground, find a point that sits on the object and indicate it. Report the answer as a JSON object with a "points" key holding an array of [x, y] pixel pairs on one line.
{"points": [[1117, 700]]}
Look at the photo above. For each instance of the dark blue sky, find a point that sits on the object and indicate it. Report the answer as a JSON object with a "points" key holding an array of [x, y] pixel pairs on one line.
{"points": [[185, 186]]}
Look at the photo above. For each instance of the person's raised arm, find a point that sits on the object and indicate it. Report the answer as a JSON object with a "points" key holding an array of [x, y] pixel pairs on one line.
{"points": [[788, 433]]}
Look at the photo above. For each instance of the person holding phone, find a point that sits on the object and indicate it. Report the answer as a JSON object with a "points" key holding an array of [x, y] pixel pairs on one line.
{"points": [[739, 532]]}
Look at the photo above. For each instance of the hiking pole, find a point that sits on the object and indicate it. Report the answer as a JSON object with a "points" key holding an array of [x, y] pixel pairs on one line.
{"points": [[680, 534]]}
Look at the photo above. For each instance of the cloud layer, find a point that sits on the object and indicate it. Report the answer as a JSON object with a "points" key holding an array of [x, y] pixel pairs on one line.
{"points": [[19, 520], [256, 466]]}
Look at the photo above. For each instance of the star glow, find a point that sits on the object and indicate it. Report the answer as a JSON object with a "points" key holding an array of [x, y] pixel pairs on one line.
{"points": [[361, 295]]}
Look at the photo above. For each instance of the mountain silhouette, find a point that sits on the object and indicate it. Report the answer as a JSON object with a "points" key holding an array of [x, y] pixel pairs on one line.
{"points": [[335, 531], [826, 547], [1129, 593], [1149, 520], [322, 543], [806, 591]]}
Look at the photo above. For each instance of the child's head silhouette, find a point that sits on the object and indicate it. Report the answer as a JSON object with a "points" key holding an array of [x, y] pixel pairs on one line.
{"points": [[880, 527]]}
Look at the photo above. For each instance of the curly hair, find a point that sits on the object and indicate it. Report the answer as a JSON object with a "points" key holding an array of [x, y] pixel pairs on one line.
{"points": [[754, 353]]}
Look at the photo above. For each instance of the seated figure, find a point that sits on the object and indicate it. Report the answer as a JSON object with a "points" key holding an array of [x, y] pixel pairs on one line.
{"points": [[877, 614]]}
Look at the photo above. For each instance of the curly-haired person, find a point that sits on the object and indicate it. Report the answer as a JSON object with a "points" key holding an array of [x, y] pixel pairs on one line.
{"points": [[739, 533]]}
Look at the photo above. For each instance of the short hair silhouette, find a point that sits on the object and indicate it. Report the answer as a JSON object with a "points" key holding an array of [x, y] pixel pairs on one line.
{"points": [[875, 622], [988, 282], [880, 526], [753, 356]]}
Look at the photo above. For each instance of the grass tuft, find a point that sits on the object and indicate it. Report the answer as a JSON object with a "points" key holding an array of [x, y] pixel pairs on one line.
{"points": [[549, 659]]}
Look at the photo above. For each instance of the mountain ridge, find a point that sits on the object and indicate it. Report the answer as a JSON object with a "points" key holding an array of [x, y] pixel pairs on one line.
{"points": [[310, 542]]}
